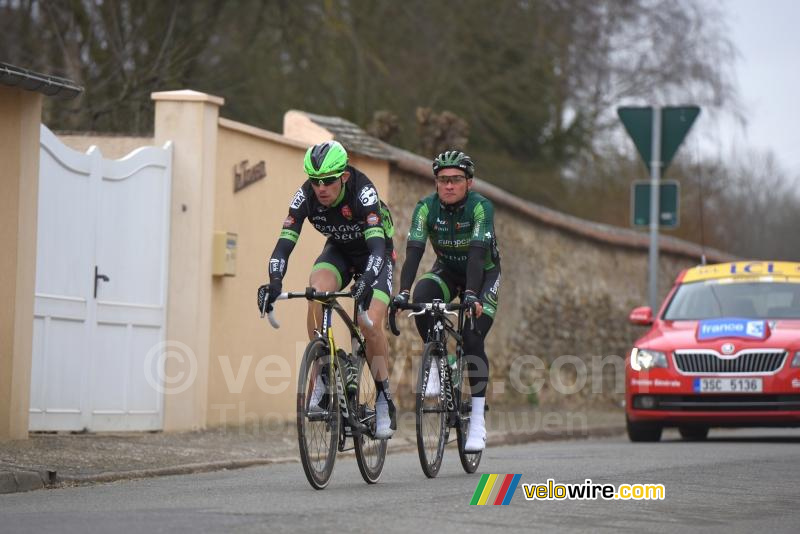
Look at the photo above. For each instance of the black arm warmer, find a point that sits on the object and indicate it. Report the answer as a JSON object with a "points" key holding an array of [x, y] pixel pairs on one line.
{"points": [[475, 262], [280, 259], [414, 252], [377, 250]]}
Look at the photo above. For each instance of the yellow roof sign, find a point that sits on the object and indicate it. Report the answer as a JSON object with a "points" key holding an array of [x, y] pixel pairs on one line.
{"points": [[743, 269]]}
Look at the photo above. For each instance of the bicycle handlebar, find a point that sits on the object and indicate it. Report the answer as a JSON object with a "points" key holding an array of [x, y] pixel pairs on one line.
{"points": [[311, 294], [418, 308]]}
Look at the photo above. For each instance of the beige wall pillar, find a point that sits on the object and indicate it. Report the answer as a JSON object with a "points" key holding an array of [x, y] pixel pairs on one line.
{"points": [[20, 116], [189, 120]]}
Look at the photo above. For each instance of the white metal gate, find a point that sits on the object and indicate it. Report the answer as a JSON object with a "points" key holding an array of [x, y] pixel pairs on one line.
{"points": [[101, 287]]}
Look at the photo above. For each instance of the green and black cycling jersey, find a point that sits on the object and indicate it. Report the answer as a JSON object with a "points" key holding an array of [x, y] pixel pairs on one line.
{"points": [[358, 223], [462, 236]]}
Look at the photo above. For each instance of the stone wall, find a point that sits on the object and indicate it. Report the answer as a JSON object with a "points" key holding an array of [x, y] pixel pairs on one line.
{"points": [[567, 288]]}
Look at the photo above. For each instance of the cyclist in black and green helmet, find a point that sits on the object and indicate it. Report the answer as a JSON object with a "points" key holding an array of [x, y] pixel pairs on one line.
{"points": [[460, 226], [343, 204]]}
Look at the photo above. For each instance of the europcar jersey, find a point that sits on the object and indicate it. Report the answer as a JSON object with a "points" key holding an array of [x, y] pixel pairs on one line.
{"points": [[452, 230], [356, 216]]}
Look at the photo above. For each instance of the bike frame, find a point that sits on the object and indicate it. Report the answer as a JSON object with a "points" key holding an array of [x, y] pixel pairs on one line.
{"points": [[328, 307], [439, 333]]}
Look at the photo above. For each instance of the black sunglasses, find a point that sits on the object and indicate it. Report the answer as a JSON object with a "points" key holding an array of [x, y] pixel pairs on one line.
{"points": [[330, 180]]}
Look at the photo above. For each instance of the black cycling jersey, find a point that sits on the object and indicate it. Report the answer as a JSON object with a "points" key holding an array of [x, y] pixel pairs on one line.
{"points": [[358, 223]]}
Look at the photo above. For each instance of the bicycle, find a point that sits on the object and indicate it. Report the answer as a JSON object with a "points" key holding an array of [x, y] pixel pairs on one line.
{"points": [[435, 416], [344, 411]]}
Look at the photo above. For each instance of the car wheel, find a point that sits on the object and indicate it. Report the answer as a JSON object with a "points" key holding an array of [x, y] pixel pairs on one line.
{"points": [[643, 432], [693, 433]]}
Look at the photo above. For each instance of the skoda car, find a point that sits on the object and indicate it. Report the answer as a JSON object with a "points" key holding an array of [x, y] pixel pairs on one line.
{"points": [[722, 351]]}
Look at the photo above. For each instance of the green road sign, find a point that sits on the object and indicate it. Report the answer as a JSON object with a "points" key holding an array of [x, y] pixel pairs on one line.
{"points": [[669, 192], [675, 124]]}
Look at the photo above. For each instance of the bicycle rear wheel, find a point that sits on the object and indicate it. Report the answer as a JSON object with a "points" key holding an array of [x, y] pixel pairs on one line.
{"points": [[431, 416], [370, 452], [317, 422], [469, 461]]}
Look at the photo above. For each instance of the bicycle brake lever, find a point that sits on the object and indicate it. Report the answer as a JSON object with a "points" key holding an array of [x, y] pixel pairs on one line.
{"points": [[271, 315], [362, 316]]}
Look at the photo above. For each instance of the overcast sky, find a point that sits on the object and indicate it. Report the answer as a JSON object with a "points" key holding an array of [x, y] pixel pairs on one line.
{"points": [[767, 34]]}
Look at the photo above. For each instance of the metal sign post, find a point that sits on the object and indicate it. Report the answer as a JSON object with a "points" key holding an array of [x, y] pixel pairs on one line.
{"points": [[657, 133], [655, 188]]}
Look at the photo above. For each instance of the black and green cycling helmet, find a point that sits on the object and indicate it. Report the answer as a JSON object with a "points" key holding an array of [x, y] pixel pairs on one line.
{"points": [[325, 160], [454, 159]]}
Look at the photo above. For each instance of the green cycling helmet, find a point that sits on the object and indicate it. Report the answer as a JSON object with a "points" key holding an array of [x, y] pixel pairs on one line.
{"points": [[454, 159], [325, 160]]}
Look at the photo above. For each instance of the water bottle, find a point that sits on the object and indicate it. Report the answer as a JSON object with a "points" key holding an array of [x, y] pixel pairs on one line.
{"points": [[350, 372], [355, 345], [452, 362]]}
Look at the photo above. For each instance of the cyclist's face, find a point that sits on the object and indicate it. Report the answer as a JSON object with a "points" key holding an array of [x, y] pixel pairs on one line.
{"points": [[327, 194], [452, 185]]}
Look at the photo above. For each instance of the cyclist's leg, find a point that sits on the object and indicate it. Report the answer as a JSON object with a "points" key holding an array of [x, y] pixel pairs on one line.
{"points": [[478, 361], [377, 345], [377, 350], [331, 272], [436, 284]]}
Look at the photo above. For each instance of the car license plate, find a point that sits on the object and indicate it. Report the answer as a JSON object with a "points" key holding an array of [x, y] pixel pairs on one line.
{"points": [[728, 385]]}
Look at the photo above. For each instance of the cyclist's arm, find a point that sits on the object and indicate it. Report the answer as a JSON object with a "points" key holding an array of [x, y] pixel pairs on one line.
{"points": [[414, 252], [415, 248], [482, 236], [374, 235], [292, 225]]}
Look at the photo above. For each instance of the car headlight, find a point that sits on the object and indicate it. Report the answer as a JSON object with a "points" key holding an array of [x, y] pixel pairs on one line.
{"points": [[796, 359], [647, 359]]}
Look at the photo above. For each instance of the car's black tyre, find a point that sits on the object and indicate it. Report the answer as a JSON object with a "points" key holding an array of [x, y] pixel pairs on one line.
{"points": [[643, 431], [693, 433]]}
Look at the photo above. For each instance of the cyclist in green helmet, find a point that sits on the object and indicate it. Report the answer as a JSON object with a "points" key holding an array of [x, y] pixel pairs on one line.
{"points": [[460, 226], [343, 204]]}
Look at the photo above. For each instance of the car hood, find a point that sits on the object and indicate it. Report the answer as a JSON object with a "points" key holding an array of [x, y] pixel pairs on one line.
{"points": [[671, 335]]}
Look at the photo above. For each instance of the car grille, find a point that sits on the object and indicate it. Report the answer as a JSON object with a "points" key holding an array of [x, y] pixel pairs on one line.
{"points": [[761, 362]]}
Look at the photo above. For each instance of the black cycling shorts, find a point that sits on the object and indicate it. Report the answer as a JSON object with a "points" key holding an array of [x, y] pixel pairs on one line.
{"points": [[344, 267]]}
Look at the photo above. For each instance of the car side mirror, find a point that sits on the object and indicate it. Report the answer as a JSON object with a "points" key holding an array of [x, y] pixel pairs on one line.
{"points": [[642, 316]]}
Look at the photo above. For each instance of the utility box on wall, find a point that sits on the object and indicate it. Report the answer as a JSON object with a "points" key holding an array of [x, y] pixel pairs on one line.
{"points": [[224, 254]]}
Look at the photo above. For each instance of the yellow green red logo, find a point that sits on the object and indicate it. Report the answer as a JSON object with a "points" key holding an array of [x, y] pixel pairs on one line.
{"points": [[495, 489]]}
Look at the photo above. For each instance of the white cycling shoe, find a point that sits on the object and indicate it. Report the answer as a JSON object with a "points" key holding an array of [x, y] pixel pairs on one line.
{"points": [[433, 387], [385, 422], [476, 437]]}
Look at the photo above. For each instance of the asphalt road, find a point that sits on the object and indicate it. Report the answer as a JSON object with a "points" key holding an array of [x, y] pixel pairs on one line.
{"points": [[737, 481]]}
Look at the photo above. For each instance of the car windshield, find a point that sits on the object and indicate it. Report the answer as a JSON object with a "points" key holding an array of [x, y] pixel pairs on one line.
{"points": [[751, 299]]}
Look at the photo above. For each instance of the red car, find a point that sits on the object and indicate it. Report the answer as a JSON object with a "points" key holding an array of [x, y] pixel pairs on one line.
{"points": [[723, 351]]}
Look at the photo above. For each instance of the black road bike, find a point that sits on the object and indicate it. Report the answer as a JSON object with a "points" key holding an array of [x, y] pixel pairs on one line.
{"points": [[436, 415], [335, 396]]}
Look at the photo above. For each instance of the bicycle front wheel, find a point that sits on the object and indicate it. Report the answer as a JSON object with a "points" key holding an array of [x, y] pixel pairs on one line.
{"points": [[370, 452], [317, 414], [431, 415], [469, 461]]}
